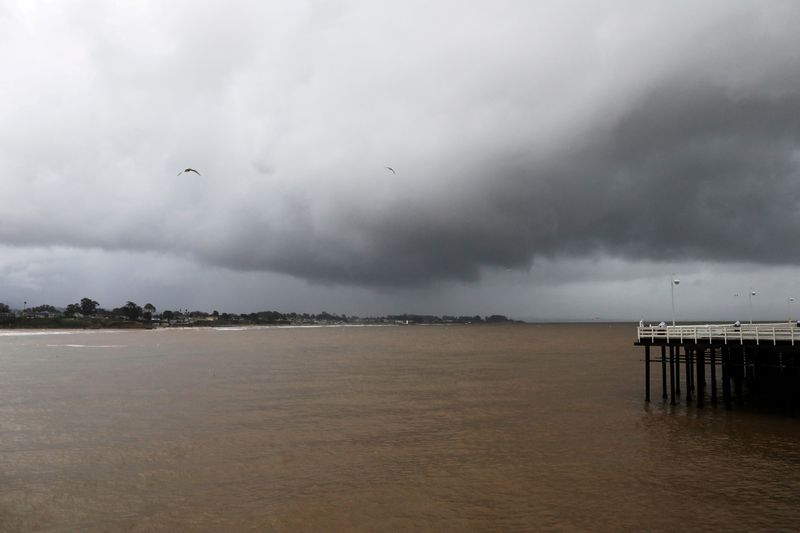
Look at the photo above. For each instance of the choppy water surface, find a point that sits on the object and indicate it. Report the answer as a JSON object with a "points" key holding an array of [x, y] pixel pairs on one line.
{"points": [[509, 428]]}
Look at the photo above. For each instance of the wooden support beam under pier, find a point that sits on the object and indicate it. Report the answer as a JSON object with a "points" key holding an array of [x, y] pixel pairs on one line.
{"points": [[701, 376], [647, 373], [713, 363], [672, 375], [689, 385], [663, 372]]}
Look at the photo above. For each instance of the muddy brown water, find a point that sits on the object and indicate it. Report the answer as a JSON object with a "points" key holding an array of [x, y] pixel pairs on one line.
{"points": [[446, 428]]}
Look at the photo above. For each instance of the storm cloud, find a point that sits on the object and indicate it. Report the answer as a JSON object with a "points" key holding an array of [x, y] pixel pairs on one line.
{"points": [[520, 132]]}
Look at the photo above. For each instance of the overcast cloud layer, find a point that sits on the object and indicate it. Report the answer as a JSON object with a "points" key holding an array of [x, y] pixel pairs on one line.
{"points": [[520, 133]]}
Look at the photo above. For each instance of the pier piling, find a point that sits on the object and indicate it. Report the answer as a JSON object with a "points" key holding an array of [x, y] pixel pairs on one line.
{"points": [[713, 363], [701, 376], [672, 375], [687, 353], [663, 372], [647, 373]]}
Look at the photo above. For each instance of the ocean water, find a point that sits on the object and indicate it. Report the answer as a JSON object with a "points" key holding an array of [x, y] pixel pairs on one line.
{"points": [[445, 428]]}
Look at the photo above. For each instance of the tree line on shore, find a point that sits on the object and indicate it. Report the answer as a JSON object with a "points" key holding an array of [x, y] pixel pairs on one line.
{"points": [[88, 312]]}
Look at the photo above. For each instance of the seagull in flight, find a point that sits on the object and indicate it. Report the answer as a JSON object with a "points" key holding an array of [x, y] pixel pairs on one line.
{"points": [[189, 170], [390, 168]]}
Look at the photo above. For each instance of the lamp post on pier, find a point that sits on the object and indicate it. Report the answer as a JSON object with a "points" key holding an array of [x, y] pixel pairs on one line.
{"points": [[750, 301], [789, 301], [672, 283]]}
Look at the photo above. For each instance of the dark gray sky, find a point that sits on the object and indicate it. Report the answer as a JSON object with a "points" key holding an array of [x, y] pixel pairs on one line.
{"points": [[553, 159]]}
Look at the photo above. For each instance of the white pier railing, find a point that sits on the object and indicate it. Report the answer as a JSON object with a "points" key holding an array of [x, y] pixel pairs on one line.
{"points": [[725, 333]]}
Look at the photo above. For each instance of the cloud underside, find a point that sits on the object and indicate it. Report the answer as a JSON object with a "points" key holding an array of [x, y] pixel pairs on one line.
{"points": [[640, 142], [690, 174]]}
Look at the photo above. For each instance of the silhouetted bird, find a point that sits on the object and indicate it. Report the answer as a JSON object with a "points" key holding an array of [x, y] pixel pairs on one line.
{"points": [[390, 168], [189, 170]]}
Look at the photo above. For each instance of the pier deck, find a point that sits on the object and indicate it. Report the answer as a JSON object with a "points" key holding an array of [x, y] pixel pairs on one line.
{"points": [[775, 333]]}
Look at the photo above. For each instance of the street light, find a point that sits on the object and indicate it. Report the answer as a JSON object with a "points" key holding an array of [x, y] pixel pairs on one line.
{"points": [[750, 301], [673, 282], [789, 301]]}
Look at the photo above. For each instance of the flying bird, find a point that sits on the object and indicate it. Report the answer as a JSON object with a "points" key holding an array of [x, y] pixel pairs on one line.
{"points": [[189, 170], [390, 168]]}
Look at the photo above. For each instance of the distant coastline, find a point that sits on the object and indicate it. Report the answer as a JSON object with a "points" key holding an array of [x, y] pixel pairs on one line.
{"points": [[58, 319]]}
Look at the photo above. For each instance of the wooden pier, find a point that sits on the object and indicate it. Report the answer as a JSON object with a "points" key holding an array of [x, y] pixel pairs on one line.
{"points": [[737, 365]]}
